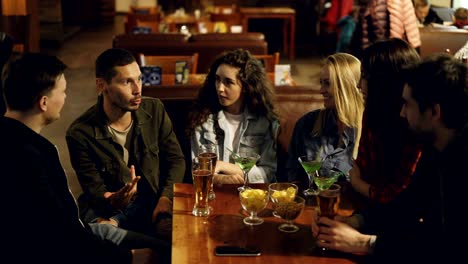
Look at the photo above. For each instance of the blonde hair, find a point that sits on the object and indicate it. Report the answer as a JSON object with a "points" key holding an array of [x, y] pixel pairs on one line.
{"points": [[345, 72]]}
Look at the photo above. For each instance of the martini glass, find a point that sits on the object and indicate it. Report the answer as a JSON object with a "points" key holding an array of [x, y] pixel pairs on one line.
{"points": [[245, 160], [325, 177], [311, 165]]}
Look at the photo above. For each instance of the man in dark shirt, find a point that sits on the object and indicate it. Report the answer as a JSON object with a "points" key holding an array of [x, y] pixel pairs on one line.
{"points": [[425, 14], [40, 216]]}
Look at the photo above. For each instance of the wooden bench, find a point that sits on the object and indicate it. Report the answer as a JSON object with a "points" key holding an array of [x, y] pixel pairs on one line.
{"points": [[435, 40], [208, 46]]}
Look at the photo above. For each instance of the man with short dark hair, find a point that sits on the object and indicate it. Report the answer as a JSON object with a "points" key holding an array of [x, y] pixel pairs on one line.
{"points": [[123, 135], [40, 216]]}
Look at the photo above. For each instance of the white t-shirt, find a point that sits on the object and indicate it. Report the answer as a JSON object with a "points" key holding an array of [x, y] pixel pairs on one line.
{"points": [[233, 126]]}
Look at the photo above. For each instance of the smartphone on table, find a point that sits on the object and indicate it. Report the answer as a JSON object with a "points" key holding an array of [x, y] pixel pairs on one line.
{"points": [[236, 251]]}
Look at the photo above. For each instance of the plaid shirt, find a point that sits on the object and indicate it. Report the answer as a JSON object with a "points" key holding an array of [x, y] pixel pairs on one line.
{"points": [[385, 183]]}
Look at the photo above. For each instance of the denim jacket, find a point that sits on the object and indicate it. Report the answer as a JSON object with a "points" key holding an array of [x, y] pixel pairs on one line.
{"points": [[100, 168], [310, 137], [257, 133]]}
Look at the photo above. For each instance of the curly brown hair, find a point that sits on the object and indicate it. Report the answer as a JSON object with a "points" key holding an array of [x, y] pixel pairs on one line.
{"points": [[259, 95]]}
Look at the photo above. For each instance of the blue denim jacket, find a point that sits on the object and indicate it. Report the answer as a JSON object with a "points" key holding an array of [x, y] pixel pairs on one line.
{"points": [[310, 137], [257, 133]]}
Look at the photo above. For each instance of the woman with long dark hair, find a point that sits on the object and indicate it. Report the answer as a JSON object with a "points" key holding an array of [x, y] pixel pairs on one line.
{"points": [[235, 110]]}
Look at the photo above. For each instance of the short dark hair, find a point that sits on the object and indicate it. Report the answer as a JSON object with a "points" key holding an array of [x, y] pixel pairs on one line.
{"points": [[109, 59], [28, 77], [440, 79]]}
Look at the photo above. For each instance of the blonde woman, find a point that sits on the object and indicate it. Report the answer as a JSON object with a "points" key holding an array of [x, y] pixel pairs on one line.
{"points": [[335, 130]]}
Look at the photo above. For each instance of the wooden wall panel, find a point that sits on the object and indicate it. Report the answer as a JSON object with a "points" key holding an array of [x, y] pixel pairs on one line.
{"points": [[23, 7]]}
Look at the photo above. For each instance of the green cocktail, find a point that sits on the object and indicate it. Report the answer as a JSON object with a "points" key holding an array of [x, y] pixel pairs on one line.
{"points": [[311, 165], [245, 160], [245, 163], [325, 178]]}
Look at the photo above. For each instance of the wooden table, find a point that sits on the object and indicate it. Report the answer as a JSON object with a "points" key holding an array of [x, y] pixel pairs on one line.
{"points": [[287, 14], [195, 238]]}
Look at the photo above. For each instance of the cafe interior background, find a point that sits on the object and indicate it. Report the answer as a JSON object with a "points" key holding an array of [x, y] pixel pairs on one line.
{"points": [[78, 30]]}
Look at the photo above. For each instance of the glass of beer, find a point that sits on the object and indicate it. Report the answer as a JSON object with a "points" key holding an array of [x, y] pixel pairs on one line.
{"points": [[328, 201], [202, 177], [209, 152]]}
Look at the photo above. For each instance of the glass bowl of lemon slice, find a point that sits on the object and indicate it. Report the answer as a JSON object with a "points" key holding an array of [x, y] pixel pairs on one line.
{"points": [[281, 192], [253, 201]]}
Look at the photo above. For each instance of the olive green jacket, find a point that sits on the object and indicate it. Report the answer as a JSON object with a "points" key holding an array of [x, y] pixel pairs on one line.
{"points": [[98, 161]]}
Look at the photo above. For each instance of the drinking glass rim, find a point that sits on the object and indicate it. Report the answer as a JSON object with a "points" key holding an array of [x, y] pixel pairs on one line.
{"points": [[336, 189], [208, 146], [286, 183], [252, 154], [312, 158]]}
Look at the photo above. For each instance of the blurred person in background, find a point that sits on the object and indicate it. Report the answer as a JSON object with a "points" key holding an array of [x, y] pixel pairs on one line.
{"points": [[460, 17], [425, 14]]}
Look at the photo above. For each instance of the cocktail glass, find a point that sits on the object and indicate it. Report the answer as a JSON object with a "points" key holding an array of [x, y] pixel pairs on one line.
{"points": [[245, 160], [325, 177], [281, 191], [209, 151], [253, 201], [311, 165], [289, 210]]}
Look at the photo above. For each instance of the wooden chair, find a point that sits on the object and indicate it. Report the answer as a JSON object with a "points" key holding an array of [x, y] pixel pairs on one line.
{"points": [[18, 27], [167, 63], [269, 61]]}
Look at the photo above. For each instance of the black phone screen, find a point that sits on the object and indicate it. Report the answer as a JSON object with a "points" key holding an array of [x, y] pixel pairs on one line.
{"points": [[235, 251]]}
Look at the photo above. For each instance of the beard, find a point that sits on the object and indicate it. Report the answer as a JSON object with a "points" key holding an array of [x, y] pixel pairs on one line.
{"points": [[122, 103], [423, 137]]}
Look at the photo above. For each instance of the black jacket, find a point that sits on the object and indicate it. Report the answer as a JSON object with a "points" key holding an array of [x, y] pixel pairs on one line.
{"points": [[40, 216], [432, 17], [424, 222]]}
